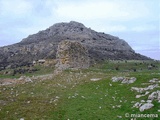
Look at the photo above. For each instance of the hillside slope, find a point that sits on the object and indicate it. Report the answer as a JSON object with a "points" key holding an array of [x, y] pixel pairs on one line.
{"points": [[43, 45]]}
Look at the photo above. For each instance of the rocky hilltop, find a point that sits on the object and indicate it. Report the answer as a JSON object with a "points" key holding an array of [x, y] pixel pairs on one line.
{"points": [[44, 44]]}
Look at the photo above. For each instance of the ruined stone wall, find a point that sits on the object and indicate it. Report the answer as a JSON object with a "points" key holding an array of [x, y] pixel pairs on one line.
{"points": [[71, 54]]}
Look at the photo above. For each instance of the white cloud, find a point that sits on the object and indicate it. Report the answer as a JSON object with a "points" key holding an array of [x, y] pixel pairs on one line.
{"points": [[144, 28], [113, 28], [15, 7], [109, 10]]}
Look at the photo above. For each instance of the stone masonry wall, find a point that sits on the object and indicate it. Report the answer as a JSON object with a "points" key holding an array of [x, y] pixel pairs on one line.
{"points": [[71, 54]]}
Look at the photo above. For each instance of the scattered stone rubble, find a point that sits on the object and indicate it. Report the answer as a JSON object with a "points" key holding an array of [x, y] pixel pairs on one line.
{"points": [[126, 80], [95, 79], [140, 90], [25, 79], [146, 93], [146, 106], [143, 106], [155, 95], [21, 80], [154, 80]]}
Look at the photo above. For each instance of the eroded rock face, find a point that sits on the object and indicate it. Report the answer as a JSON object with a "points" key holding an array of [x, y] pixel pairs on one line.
{"points": [[71, 54]]}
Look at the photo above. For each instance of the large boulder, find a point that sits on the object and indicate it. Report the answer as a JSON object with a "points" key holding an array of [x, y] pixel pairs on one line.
{"points": [[71, 54]]}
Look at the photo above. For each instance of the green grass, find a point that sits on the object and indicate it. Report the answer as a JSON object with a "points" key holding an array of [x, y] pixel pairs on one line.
{"points": [[71, 95]]}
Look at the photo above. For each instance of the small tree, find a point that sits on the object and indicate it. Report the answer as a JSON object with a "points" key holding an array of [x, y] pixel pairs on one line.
{"points": [[117, 67]]}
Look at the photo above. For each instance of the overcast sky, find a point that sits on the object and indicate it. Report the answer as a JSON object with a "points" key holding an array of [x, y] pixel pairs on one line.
{"points": [[135, 21]]}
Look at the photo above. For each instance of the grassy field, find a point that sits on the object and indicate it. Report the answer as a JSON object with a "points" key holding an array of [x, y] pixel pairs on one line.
{"points": [[73, 96], [41, 69]]}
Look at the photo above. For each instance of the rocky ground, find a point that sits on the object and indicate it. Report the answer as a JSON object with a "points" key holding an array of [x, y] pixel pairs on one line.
{"points": [[146, 91], [24, 79]]}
